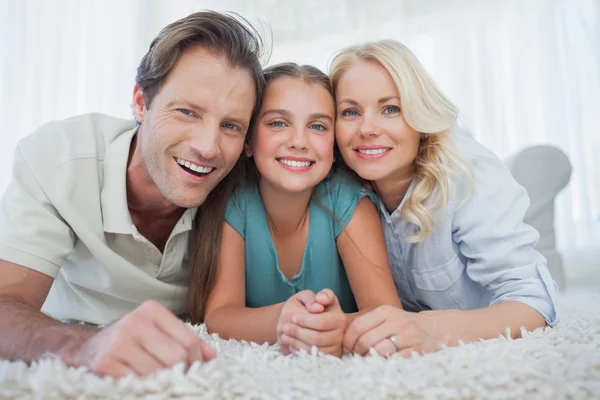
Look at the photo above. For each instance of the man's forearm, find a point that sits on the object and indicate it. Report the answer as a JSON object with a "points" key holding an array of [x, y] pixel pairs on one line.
{"points": [[257, 325], [485, 323], [27, 334]]}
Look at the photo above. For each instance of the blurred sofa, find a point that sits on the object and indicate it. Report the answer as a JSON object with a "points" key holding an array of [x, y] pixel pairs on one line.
{"points": [[543, 171]]}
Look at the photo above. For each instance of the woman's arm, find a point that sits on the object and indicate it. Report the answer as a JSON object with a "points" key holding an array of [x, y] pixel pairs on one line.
{"points": [[362, 248], [429, 331], [498, 246], [499, 249], [226, 311], [485, 323]]}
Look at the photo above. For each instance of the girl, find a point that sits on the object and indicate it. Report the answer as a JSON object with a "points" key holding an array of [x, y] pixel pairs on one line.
{"points": [[463, 261], [293, 231]]}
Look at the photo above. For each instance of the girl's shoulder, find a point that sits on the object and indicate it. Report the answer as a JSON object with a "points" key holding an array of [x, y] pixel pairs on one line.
{"points": [[341, 186], [244, 194]]}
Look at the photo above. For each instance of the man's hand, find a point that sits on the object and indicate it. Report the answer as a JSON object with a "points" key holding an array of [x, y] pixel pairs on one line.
{"points": [[324, 329], [390, 330], [148, 339]]}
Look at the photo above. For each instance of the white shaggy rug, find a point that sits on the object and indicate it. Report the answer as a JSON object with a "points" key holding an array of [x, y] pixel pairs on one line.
{"points": [[558, 363]]}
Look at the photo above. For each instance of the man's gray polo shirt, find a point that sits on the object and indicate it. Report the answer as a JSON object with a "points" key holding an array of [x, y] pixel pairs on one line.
{"points": [[65, 214]]}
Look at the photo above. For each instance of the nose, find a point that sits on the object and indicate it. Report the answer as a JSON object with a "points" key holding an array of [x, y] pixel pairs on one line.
{"points": [[297, 139], [205, 141], [368, 126]]}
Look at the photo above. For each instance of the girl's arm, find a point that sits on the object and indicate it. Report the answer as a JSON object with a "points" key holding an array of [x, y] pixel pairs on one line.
{"points": [[226, 311], [362, 247]]}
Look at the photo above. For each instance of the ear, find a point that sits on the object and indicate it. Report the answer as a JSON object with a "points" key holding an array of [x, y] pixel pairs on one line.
{"points": [[138, 104], [248, 149]]}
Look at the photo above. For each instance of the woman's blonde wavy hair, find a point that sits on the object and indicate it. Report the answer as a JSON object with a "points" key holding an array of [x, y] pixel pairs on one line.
{"points": [[428, 111]]}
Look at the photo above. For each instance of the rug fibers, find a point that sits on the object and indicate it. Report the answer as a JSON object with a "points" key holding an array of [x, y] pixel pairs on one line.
{"points": [[550, 363]]}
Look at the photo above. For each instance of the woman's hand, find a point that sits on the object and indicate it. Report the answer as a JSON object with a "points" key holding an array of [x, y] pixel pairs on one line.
{"points": [[324, 329], [390, 330]]}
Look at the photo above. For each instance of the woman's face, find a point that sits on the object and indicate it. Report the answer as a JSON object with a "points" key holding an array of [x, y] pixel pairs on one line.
{"points": [[292, 143], [373, 137]]}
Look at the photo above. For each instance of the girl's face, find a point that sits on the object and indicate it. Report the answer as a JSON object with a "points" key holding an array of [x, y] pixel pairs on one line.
{"points": [[292, 142], [373, 137]]}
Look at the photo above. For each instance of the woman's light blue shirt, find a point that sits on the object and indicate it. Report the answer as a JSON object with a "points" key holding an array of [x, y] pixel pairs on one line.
{"points": [[480, 253], [321, 266]]}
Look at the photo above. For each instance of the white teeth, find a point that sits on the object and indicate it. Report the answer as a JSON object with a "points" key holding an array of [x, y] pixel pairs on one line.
{"points": [[372, 151], [194, 167], [292, 163]]}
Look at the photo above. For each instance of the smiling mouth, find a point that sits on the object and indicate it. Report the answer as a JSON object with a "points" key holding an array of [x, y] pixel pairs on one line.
{"points": [[192, 168], [372, 152], [294, 163]]}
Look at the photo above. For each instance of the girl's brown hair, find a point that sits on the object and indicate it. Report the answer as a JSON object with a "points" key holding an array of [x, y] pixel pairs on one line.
{"points": [[240, 44]]}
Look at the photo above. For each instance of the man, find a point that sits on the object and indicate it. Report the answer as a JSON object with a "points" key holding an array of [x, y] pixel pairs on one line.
{"points": [[97, 221]]}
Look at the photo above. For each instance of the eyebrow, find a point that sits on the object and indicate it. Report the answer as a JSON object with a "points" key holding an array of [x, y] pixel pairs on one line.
{"points": [[286, 113], [197, 108], [381, 100], [320, 116], [275, 111], [187, 104]]}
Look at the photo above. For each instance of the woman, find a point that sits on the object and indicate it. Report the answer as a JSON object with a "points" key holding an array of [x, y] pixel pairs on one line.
{"points": [[289, 228], [463, 261]]}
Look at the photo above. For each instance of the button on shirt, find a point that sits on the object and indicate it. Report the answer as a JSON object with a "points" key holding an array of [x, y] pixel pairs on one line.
{"points": [[65, 215], [480, 253]]}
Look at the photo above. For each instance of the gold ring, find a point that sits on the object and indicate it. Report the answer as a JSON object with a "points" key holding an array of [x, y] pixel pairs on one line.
{"points": [[393, 340]]}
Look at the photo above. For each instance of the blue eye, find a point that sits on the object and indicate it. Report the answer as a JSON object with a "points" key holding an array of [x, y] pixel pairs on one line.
{"points": [[229, 125], [349, 113], [391, 110], [185, 111], [318, 127], [277, 124]]}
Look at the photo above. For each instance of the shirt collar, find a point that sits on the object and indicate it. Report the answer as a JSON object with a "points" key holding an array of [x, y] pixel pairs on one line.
{"points": [[115, 212], [396, 213]]}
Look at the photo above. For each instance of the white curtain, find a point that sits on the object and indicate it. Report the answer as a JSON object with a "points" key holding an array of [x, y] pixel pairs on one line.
{"points": [[523, 72]]}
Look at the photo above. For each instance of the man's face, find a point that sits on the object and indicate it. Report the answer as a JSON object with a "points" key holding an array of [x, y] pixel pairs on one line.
{"points": [[193, 133]]}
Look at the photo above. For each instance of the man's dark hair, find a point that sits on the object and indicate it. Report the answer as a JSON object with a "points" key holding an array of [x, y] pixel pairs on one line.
{"points": [[235, 39]]}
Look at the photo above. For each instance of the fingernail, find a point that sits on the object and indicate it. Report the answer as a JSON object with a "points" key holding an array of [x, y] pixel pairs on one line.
{"points": [[286, 328], [346, 351], [294, 319]]}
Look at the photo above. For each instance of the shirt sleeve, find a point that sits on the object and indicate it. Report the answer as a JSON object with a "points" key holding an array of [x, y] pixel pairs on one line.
{"points": [[345, 195], [32, 232], [498, 246], [235, 214]]}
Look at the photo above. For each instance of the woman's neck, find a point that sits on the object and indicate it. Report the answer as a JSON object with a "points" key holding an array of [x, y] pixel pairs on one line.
{"points": [[392, 189], [286, 212]]}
